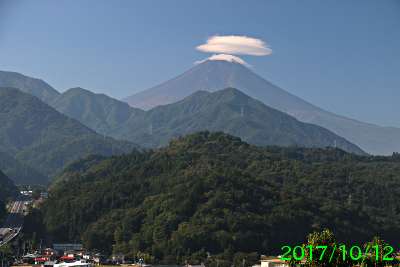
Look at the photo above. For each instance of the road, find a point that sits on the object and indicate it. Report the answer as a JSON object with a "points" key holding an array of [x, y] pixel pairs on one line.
{"points": [[15, 219]]}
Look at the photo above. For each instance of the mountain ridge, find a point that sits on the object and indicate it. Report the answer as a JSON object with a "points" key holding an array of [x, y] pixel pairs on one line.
{"points": [[231, 111], [99, 112], [213, 75], [33, 86]]}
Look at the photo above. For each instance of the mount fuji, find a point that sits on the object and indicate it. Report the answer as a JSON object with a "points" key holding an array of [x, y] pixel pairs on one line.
{"points": [[214, 75]]}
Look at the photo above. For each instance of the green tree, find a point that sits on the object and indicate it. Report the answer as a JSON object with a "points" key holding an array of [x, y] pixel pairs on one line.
{"points": [[381, 254], [321, 250]]}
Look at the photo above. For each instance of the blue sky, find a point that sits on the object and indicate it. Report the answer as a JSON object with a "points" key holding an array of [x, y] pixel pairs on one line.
{"points": [[341, 55]]}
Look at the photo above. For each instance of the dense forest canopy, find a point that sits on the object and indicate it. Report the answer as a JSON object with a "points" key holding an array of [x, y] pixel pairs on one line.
{"points": [[211, 192]]}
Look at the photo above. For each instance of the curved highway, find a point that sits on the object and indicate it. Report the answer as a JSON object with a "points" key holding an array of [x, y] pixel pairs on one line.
{"points": [[13, 223]]}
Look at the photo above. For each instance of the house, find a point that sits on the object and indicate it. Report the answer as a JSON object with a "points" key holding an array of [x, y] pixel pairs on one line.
{"points": [[273, 263], [118, 257], [45, 194], [99, 259], [30, 258], [50, 251], [88, 256], [71, 254]]}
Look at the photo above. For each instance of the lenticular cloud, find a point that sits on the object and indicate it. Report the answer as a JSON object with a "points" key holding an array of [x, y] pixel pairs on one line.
{"points": [[239, 45]]}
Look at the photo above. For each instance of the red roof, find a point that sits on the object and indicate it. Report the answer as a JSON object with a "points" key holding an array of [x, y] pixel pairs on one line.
{"points": [[47, 256], [68, 258], [41, 259]]}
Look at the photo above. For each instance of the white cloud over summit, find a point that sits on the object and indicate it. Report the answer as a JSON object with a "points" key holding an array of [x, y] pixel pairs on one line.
{"points": [[239, 45], [229, 58]]}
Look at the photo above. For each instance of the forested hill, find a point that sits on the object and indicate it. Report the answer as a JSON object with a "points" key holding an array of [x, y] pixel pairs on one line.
{"points": [[42, 138], [211, 192], [7, 188], [231, 111]]}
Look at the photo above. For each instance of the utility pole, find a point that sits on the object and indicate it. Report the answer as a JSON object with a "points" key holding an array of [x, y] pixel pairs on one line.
{"points": [[241, 111]]}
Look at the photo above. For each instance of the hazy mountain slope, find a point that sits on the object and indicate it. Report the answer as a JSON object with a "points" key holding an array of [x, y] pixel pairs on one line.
{"points": [[222, 111], [43, 138], [19, 172], [26, 84], [213, 75], [26, 120], [97, 111]]}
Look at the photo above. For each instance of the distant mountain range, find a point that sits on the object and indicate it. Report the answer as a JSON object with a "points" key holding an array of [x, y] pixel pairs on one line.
{"points": [[227, 110], [109, 116], [39, 137], [214, 75]]}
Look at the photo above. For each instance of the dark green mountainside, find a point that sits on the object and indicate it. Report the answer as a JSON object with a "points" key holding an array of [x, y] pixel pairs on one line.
{"points": [[231, 111], [211, 192], [20, 172], [7, 188], [97, 111], [37, 135], [29, 85], [74, 169]]}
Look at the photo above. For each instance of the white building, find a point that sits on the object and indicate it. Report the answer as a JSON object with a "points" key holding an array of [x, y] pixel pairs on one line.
{"points": [[65, 246]]}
